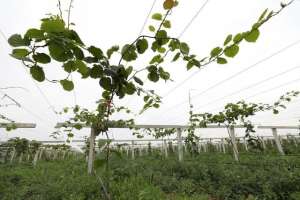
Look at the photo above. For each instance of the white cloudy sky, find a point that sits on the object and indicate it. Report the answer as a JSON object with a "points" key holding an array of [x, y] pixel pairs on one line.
{"points": [[106, 23]]}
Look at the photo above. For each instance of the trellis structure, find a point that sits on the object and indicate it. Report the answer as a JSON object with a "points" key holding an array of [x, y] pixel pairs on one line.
{"points": [[179, 129], [18, 126]]}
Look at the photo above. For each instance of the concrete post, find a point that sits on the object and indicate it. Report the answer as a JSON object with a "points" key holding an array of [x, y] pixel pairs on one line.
{"points": [[277, 141], [179, 144], [91, 151], [233, 141]]}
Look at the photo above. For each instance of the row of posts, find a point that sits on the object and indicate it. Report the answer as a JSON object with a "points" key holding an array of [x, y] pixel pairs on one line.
{"points": [[38, 155], [219, 146]]}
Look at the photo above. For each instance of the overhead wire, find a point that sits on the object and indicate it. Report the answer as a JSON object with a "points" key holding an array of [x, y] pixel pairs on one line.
{"points": [[249, 87], [26, 109], [147, 17], [187, 26], [37, 86], [234, 75], [40, 91], [259, 93]]}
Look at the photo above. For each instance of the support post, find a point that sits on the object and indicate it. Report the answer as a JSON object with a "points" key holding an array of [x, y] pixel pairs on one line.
{"points": [[198, 146], [263, 142], [41, 153], [12, 155], [166, 148], [140, 151], [127, 151], [36, 156], [21, 157], [205, 146], [277, 141], [132, 149], [223, 145], [233, 141], [179, 144], [245, 144], [91, 151]]}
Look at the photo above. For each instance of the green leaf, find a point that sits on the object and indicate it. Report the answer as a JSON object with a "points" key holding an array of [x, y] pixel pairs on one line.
{"points": [[41, 58], [96, 71], [152, 68], [110, 51], [155, 46], [189, 65], [167, 24], [238, 37], [228, 39], [53, 25], [37, 73], [156, 105], [70, 66], [128, 52], [74, 36], [78, 126], [163, 74], [174, 44], [58, 52], [34, 34], [184, 48], [106, 94], [216, 51], [161, 50], [146, 98], [177, 55], [16, 40], [252, 36], [138, 80], [130, 88], [162, 37], [157, 16], [153, 76], [263, 14], [129, 70], [221, 60], [168, 4], [78, 53], [96, 52], [231, 51], [106, 84], [151, 28], [82, 68], [156, 59], [20, 53], [142, 45], [67, 85]]}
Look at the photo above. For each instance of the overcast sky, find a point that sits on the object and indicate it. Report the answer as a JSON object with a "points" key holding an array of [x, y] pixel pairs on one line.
{"points": [[107, 23]]}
